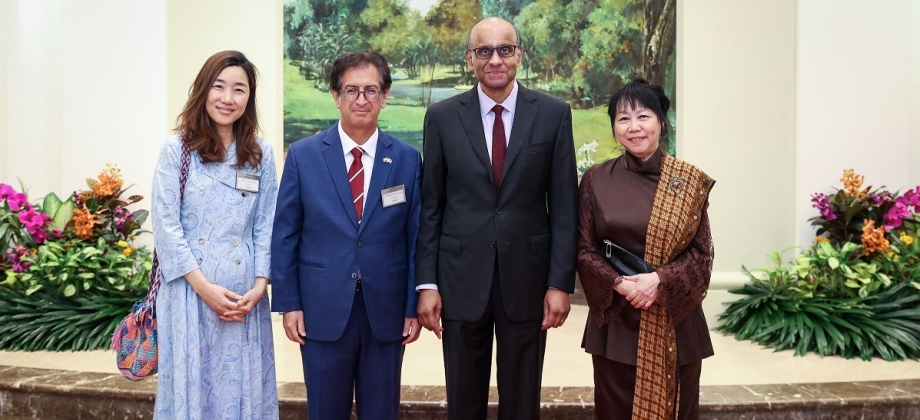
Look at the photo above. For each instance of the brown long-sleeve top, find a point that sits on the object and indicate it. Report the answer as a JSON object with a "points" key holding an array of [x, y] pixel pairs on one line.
{"points": [[616, 203]]}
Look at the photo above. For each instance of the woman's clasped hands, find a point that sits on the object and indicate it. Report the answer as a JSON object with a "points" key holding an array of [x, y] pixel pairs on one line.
{"points": [[228, 305], [641, 290]]}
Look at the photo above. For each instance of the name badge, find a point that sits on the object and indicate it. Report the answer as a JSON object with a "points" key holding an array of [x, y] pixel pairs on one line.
{"points": [[393, 196], [247, 182]]}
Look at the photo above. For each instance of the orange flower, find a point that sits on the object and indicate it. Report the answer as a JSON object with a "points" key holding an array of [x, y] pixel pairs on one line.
{"points": [[819, 239], [852, 184], [127, 251], [83, 222], [873, 239], [110, 181]]}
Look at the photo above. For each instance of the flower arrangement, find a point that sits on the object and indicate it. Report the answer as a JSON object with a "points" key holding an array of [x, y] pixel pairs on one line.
{"points": [[856, 291], [588, 161], [60, 260]]}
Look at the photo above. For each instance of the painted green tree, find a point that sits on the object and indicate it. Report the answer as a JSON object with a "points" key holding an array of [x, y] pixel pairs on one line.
{"points": [[577, 50]]}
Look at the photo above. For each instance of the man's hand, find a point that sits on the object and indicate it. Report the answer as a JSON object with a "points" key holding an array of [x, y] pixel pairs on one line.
{"points": [[429, 311], [293, 326], [410, 330], [646, 291], [555, 308]]}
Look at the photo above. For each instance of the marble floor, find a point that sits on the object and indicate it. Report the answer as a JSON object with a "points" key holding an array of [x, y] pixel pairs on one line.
{"points": [[735, 362]]}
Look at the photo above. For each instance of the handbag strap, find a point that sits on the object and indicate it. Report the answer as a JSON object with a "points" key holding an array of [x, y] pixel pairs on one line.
{"points": [[155, 277]]}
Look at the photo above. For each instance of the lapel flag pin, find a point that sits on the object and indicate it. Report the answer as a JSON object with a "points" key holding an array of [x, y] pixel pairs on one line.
{"points": [[387, 160]]}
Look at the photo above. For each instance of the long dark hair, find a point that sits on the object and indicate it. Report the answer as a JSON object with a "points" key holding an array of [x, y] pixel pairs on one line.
{"points": [[197, 129]]}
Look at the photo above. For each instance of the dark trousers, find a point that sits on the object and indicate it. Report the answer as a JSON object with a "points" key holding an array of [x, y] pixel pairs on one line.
{"points": [[355, 365], [615, 385], [468, 363]]}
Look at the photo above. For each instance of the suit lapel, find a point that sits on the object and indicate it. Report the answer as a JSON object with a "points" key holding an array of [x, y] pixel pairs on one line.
{"points": [[524, 117], [379, 177], [472, 124], [335, 162]]}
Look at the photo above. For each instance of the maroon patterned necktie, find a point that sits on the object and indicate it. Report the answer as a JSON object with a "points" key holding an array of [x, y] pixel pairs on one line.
{"points": [[499, 148], [356, 179]]}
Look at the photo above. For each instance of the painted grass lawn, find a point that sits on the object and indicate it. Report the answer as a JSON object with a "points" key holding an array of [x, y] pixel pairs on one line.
{"points": [[307, 109]]}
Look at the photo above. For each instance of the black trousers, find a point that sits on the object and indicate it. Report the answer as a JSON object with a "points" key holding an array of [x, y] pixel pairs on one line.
{"points": [[615, 385], [468, 363]]}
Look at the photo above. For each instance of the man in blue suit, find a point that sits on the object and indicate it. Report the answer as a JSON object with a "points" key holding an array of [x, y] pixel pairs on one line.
{"points": [[343, 249]]}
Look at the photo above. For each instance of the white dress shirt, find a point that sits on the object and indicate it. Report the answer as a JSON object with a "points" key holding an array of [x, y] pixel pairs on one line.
{"points": [[367, 159], [488, 117]]}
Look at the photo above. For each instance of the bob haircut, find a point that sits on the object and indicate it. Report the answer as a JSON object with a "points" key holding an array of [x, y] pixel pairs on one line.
{"points": [[197, 128], [641, 93], [360, 59]]}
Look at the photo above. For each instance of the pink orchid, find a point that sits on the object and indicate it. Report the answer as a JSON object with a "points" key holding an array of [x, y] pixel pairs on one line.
{"points": [[820, 202], [15, 258], [33, 220], [6, 191], [19, 201], [895, 216]]}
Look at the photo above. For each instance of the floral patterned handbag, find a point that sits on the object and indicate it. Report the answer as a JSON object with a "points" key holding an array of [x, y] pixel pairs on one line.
{"points": [[135, 339]]}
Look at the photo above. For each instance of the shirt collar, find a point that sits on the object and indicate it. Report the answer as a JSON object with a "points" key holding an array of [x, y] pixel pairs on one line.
{"points": [[369, 147], [486, 103]]}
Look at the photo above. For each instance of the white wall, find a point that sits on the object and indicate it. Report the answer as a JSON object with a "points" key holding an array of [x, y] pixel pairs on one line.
{"points": [[914, 152], [853, 98], [736, 99], [30, 125], [197, 29], [78, 94]]}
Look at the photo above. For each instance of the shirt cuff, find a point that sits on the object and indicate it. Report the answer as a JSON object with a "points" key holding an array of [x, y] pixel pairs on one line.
{"points": [[426, 286]]}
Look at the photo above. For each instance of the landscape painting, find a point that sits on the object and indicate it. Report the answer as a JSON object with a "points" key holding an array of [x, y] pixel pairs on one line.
{"points": [[580, 51]]}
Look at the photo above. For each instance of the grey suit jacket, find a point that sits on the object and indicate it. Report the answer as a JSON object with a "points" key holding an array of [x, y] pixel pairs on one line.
{"points": [[529, 226]]}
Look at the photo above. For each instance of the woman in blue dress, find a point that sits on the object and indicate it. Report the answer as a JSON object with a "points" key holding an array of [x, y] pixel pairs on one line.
{"points": [[216, 359]]}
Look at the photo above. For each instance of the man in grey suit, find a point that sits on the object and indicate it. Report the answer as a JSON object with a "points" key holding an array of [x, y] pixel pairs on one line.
{"points": [[496, 248]]}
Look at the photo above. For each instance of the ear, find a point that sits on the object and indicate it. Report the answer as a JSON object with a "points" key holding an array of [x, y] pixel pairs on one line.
{"points": [[383, 99], [335, 98], [469, 60]]}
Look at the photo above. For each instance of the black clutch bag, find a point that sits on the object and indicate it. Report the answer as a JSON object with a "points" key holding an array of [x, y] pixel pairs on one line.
{"points": [[623, 261]]}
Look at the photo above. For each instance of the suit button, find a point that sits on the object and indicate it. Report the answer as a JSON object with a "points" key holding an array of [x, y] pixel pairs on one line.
{"points": [[201, 240], [201, 187], [354, 275], [236, 243], [237, 261], [199, 260], [360, 244], [497, 211], [491, 244]]}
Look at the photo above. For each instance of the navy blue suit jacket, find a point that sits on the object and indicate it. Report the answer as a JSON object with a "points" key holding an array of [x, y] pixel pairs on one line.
{"points": [[320, 251]]}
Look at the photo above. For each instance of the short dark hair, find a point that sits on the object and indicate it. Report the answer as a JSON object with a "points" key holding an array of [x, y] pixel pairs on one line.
{"points": [[359, 59], [638, 93]]}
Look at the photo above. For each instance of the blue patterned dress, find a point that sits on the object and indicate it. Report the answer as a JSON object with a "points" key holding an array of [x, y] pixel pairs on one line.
{"points": [[208, 368]]}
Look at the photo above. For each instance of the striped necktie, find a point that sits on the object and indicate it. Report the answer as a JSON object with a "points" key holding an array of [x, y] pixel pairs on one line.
{"points": [[356, 179]]}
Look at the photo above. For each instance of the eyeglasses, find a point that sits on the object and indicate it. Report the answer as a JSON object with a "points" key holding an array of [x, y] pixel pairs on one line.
{"points": [[351, 94], [485, 53]]}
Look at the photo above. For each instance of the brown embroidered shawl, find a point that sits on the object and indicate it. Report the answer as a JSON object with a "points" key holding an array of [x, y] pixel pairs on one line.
{"points": [[680, 199]]}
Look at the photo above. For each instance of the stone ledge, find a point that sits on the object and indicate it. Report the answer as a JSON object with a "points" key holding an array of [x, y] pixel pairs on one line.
{"points": [[54, 394]]}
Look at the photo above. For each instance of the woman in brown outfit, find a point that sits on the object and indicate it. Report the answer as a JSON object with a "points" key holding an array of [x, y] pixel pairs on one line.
{"points": [[646, 333]]}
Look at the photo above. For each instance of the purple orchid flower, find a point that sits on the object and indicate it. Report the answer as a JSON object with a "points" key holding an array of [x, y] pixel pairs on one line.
{"points": [[820, 202]]}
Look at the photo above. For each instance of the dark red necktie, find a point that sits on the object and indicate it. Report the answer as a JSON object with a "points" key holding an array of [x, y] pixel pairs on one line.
{"points": [[356, 179], [499, 148]]}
